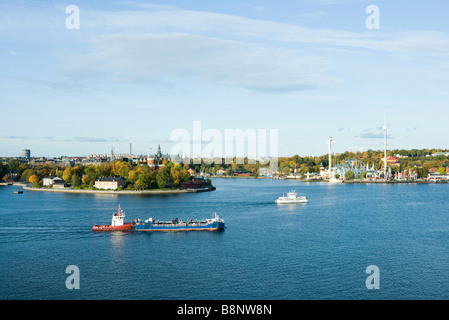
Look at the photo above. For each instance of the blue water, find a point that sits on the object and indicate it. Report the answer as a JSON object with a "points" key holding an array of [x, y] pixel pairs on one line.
{"points": [[318, 250]]}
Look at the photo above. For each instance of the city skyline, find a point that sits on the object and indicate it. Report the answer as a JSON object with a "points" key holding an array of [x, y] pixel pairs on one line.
{"points": [[134, 72]]}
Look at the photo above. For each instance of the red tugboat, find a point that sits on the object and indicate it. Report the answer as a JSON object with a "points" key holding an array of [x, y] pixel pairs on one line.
{"points": [[116, 224]]}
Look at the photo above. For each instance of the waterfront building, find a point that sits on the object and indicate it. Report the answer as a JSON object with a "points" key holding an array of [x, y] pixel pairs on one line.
{"points": [[59, 184], [437, 177], [110, 183], [51, 180]]}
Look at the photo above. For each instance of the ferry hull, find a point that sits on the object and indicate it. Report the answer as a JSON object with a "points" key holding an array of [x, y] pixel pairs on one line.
{"points": [[291, 202]]}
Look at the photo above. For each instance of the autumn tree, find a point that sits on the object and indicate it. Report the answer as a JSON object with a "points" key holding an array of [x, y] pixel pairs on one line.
{"points": [[67, 175], [26, 175], [104, 170], [33, 179], [132, 176], [85, 179]]}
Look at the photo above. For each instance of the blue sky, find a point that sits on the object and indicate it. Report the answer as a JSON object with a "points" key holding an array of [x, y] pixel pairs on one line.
{"points": [[135, 71]]}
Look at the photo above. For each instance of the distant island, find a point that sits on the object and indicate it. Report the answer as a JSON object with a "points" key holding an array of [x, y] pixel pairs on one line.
{"points": [[118, 176]]}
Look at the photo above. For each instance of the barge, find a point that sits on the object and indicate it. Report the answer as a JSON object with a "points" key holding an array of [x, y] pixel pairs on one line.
{"points": [[212, 224]]}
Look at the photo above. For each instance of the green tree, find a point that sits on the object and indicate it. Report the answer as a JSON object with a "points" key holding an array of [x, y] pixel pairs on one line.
{"points": [[26, 175], [349, 175], [14, 164], [138, 185], [162, 178], [104, 170], [185, 175], [442, 170], [422, 172], [3, 170], [148, 178], [89, 175], [76, 180]]}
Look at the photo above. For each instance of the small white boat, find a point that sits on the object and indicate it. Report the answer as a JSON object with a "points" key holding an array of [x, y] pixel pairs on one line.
{"points": [[291, 198]]}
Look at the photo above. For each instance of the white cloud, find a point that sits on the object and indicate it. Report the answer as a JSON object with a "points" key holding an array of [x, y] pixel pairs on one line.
{"points": [[38, 22], [208, 60], [158, 42], [230, 26]]}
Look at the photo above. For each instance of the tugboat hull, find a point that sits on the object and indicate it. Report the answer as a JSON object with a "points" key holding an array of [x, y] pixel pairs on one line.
{"points": [[117, 223], [126, 226]]}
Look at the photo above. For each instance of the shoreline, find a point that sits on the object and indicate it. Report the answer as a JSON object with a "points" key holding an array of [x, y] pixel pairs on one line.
{"points": [[343, 182], [378, 182], [124, 192]]}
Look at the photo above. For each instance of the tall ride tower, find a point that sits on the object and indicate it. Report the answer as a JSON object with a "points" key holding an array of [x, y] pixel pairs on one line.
{"points": [[330, 157], [385, 148]]}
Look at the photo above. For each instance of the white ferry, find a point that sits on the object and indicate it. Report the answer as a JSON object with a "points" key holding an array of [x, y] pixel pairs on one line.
{"points": [[291, 198]]}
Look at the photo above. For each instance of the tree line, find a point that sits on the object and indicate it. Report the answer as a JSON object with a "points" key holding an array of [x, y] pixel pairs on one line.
{"points": [[138, 176], [141, 176]]}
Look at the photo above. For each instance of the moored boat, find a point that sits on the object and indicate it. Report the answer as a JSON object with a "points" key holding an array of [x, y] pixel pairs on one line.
{"points": [[150, 224], [291, 198], [117, 223]]}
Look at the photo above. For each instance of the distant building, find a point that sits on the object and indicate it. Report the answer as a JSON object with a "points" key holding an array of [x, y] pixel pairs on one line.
{"points": [[393, 161], [109, 183], [436, 154], [151, 161], [437, 177], [51, 180], [243, 172], [59, 184], [154, 161], [196, 183], [26, 153]]}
